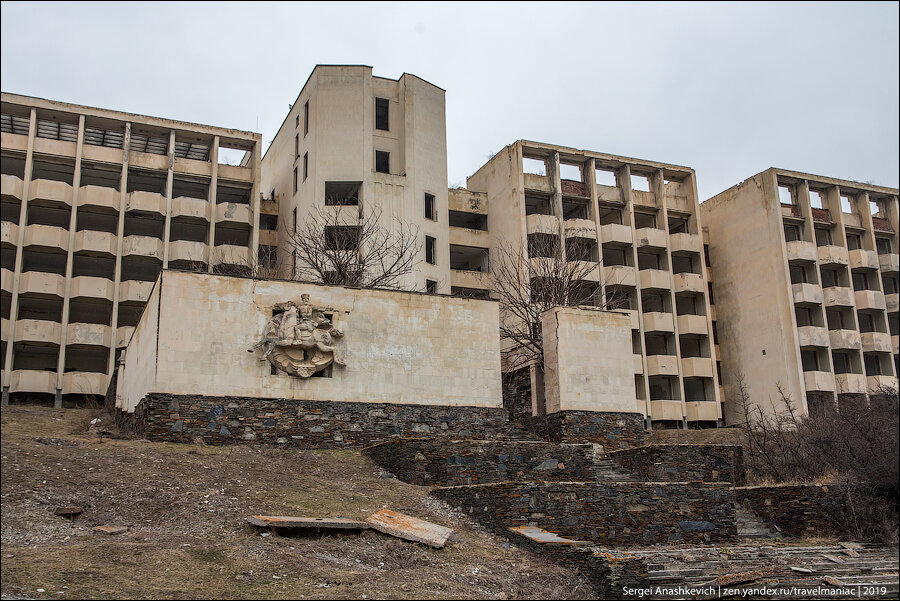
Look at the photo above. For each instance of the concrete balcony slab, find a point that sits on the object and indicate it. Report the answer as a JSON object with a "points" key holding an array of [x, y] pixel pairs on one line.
{"points": [[798, 250], [702, 411], [838, 296], [696, 367], [833, 255], [85, 286], [542, 224], [11, 186], [99, 196], [47, 236], [618, 275], [655, 279], [863, 259], [662, 365], [688, 282], [870, 299], [28, 380], [650, 237], [844, 339], [232, 212], [93, 242], [818, 381], [144, 246], [616, 234], [807, 294], [876, 342], [89, 334], [685, 243], [38, 330], [692, 324], [85, 382], [50, 190], [42, 284], [812, 336], [666, 410], [658, 322]]}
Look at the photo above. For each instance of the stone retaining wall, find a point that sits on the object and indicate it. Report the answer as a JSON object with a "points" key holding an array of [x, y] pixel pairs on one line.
{"points": [[614, 514], [305, 424], [612, 430], [684, 463], [429, 462], [798, 510]]}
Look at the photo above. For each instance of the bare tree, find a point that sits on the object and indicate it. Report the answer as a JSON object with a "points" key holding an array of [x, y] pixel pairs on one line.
{"points": [[337, 245], [529, 280], [265, 264]]}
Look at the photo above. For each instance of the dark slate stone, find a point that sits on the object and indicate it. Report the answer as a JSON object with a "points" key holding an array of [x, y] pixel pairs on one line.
{"points": [[696, 526]]}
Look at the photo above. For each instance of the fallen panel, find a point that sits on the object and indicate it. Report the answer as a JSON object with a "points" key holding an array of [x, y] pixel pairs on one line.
{"points": [[539, 535], [281, 521], [409, 528]]}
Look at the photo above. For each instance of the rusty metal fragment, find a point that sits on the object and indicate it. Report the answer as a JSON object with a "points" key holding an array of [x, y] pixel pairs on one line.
{"points": [[409, 528]]}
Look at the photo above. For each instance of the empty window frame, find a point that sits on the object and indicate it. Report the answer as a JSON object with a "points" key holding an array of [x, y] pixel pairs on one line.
{"points": [[430, 209], [297, 145], [382, 161], [342, 194], [823, 237], [431, 286], [642, 220], [305, 166], [791, 233], [382, 114], [430, 250], [306, 118], [854, 241], [295, 180]]}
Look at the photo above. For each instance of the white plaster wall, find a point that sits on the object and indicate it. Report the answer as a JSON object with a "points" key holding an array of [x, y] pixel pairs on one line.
{"points": [[588, 363], [399, 347], [138, 376]]}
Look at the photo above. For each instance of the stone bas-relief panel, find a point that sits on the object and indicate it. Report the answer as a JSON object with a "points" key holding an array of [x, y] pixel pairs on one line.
{"points": [[398, 347]]}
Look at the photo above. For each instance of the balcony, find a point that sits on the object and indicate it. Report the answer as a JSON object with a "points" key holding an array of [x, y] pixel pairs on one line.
{"points": [[685, 243], [85, 286], [185, 206], [850, 383], [889, 263], [702, 411], [798, 250], [692, 324], [89, 334], [814, 336], [895, 342], [622, 275], [135, 291], [696, 367], [892, 302], [99, 196], [688, 282], [123, 336], [6, 280], [844, 339], [85, 382], [657, 279], [638, 361], [147, 202], [870, 299], [610, 194], [479, 280], [43, 284], [145, 246], [589, 271], [9, 233], [185, 250], [581, 228], [863, 259], [462, 236], [876, 342], [38, 330], [46, 236], [633, 316], [30, 380], [11, 186], [838, 296], [540, 183], [833, 255], [662, 365], [658, 322], [54, 191], [806, 293], [818, 381], [229, 254], [650, 237], [615, 233], [92, 242], [542, 224], [233, 213], [661, 410], [878, 383]]}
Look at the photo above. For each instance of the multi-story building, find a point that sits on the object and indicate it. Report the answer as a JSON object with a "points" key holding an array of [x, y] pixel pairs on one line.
{"points": [[94, 203], [365, 146], [638, 222], [806, 285]]}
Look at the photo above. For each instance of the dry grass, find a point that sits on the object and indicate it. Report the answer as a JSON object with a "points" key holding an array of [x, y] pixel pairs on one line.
{"points": [[186, 505]]}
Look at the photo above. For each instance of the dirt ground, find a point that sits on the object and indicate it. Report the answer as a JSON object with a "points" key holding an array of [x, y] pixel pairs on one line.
{"points": [[185, 507]]}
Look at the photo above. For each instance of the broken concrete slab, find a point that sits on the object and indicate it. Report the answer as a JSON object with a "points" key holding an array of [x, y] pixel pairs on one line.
{"points": [[282, 521], [539, 535], [409, 528], [107, 529]]}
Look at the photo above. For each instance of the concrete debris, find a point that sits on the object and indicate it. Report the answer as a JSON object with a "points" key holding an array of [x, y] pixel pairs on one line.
{"points": [[280, 521], [832, 558], [540, 535], [409, 528], [107, 529], [801, 570]]}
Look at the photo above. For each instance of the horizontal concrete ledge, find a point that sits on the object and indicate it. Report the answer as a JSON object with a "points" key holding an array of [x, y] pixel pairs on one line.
{"points": [[610, 484]]}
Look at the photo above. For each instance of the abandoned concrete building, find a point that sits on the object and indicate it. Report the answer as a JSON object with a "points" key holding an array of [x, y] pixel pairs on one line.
{"points": [[807, 286], [97, 202]]}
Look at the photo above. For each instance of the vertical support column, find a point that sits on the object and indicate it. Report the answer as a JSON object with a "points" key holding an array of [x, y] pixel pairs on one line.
{"points": [[73, 221], [213, 181], [20, 252], [123, 204], [255, 202], [556, 183], [587, 176], [170, 177]]}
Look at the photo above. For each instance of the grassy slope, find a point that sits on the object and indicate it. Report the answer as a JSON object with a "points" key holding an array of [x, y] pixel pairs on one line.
{"points": [[186, 505]]}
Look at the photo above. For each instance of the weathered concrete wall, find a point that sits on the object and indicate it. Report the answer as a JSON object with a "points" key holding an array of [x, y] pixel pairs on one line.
{"points": [[399, 347], [428, 462], [588, 361], [684, 463], [306, 424], [620, 513], [612, 430], [137, 376]]}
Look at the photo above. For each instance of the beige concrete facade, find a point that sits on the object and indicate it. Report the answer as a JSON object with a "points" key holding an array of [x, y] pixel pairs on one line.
{"points": [[646, 243], [94, 203], [333, 137], [805, 283], [399, 347]]}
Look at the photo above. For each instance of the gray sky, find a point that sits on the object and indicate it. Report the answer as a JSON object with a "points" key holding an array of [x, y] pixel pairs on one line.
{"points": [[728, 89]]}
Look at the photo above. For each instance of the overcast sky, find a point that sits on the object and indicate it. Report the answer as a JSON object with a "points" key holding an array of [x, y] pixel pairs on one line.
{"points": [[728, 89]]}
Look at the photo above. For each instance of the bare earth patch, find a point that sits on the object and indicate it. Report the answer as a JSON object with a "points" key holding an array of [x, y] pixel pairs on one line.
{"points": [[186, 506]]}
